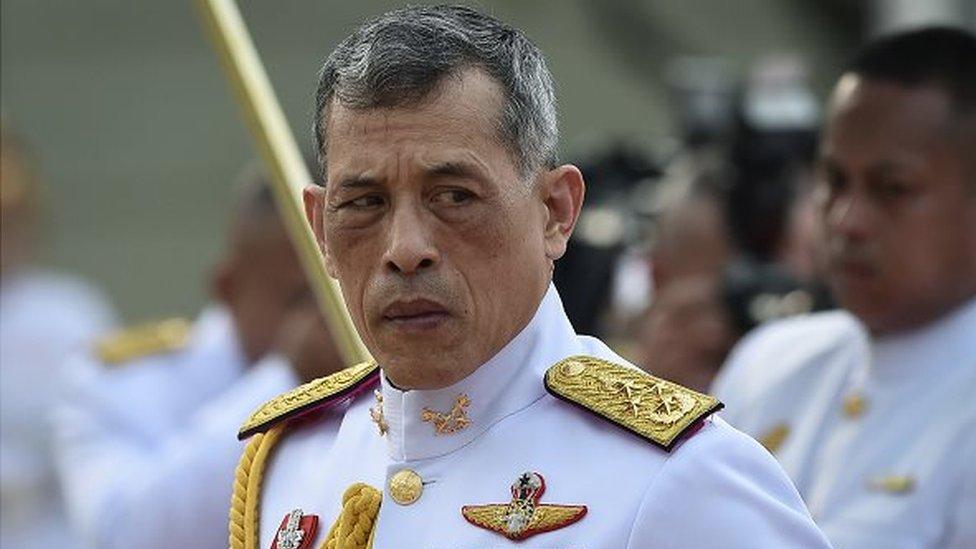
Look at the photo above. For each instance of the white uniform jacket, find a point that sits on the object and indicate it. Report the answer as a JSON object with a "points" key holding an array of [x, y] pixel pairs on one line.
{"points": [[44, 318], [455, 450], [143, 447], [879, 435]]}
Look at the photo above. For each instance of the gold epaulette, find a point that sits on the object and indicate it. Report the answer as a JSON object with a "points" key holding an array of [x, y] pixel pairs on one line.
{"points": [[656, 409], [148, 339], [313, 394]]}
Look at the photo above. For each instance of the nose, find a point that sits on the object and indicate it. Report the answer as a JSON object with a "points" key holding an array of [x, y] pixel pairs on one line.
{"points": [[410, 248], [850, 216]]}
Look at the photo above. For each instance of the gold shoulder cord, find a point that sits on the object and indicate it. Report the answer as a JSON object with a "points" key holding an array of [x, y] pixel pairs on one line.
{"points": [[354, 528], [244, 511]]}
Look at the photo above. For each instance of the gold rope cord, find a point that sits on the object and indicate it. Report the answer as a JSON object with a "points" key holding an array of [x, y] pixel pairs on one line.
{"points": [[355, 526], [244, 512]]}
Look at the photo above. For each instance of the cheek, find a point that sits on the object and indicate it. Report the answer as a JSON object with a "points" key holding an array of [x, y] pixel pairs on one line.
{"points": [[927, 253], [352, 256]]}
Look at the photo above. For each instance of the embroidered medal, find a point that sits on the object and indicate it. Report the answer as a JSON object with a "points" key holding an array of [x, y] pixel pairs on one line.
{"points": [[524, 516], [451, 422], [297, 531]]}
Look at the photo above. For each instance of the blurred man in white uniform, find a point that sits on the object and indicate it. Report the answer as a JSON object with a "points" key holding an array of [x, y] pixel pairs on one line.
{"points": [[145, 443], [871, 410], [44, 317]]}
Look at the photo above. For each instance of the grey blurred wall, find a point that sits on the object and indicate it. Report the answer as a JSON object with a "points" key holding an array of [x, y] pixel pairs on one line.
{"points": [[139, 137]]}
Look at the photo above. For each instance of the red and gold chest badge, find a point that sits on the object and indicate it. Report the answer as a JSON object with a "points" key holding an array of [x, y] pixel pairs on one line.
{"points": [[297, 531], [524, 516]]}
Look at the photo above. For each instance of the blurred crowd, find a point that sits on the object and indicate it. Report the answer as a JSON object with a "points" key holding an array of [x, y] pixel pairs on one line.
{"points": [[811, 262]]}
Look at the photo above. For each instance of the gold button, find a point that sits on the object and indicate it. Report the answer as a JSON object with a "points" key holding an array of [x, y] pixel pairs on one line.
{"points": [[405, 487], [855, 405]]}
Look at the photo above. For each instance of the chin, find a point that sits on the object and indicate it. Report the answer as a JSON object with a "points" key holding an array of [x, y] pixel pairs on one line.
{"points": [[420, 372]]}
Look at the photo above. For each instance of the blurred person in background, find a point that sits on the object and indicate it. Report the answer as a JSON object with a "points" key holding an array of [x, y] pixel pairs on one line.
{"points": [[687, 331], [871, 410], [731, 237], [44, 316], [144, 430]]}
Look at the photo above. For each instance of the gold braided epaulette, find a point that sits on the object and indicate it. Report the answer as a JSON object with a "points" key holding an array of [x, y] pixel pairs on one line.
{"points": [[148, 339], [656, 409], [313, 394]]}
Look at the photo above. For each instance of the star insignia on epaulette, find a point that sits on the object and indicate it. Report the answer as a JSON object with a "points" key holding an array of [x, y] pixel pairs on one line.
{"points": [[656, 409], [523, 516]]}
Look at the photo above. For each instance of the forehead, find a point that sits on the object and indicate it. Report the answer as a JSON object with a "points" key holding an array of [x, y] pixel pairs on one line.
{"points": [[461, 117], [879, 118]]}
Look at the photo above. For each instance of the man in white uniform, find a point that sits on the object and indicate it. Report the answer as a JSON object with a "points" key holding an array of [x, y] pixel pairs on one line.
{"points": [[44, 317], [493, 423], [871, 410], [142, 428]]}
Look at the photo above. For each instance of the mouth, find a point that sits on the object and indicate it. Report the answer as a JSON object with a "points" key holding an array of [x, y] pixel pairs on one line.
{"points": [[415, 315], [853, 269]]}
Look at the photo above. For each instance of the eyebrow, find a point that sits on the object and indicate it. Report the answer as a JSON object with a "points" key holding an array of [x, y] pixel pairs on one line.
{"points": [[357, 182], [454, 168], [883, 167]]}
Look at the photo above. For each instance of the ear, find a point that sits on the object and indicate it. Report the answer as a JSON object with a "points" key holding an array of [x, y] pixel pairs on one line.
{"points": [[562, 193], [314, 199], [222, 282]]}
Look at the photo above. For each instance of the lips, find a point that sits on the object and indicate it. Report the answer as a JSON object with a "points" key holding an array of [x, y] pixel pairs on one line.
{"points": [[415, 314], [853, 268]]}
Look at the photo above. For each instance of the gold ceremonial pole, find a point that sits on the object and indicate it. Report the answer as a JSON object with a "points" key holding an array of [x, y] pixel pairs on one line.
{"points": [[284, 162]]}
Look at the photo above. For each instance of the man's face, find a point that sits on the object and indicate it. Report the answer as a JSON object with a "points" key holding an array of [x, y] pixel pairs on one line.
{"points": [[443, 251], [897, 204]]}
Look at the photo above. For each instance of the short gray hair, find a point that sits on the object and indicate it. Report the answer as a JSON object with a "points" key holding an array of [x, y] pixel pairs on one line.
{"points": [[398, 59]]}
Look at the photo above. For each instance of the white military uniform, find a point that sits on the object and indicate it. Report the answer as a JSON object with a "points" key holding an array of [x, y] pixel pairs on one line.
{"points": [[465, 445], [44, 317], [143, 446], [877, 434]]}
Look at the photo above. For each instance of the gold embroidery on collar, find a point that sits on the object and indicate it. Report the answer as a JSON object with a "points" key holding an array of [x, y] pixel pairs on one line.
{"points": [[774, 438], [376, 414], [451, 422]]}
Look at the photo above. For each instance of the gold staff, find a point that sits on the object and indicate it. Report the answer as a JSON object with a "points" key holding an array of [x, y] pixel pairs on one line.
{"points": [[277, 146]]}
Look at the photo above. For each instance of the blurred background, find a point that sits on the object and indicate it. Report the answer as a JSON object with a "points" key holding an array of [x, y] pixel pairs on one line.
{"points": [[138, 137]]}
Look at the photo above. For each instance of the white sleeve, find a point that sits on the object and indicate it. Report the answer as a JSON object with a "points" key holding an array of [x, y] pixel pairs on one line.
{"points": [[123, 490], [721, 489]]}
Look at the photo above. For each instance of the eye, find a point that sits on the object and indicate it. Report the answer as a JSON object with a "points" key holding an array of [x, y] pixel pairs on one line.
{"points": [[453, 197], [835, 180], [895, 189], [365, 202]]}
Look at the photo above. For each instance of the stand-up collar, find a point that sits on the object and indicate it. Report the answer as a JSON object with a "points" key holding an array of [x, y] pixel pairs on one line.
{"points": [[505, 384], [948, 342]]}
